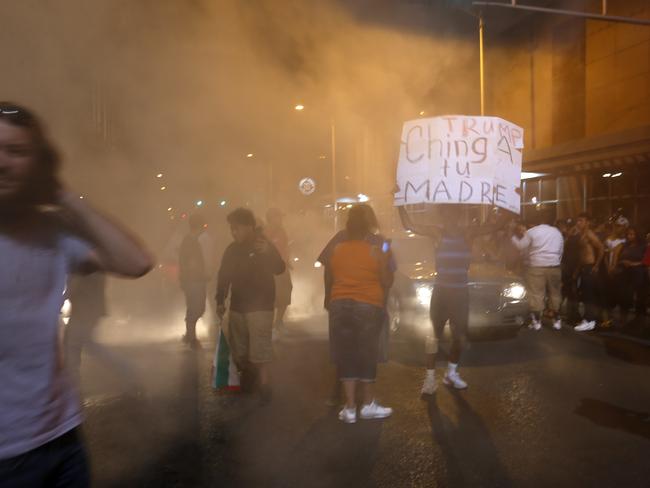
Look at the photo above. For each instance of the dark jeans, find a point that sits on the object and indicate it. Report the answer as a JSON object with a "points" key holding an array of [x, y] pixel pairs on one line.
{"points": [[634, 289], [451, 304], [355, 328], [60, 463], [588, 289], [570, 294]]}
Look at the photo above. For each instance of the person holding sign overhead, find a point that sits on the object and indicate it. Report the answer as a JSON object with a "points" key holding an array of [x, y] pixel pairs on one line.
{"points": [[450, 298]]}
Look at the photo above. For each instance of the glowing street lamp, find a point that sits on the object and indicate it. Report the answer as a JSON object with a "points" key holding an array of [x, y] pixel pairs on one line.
{"points": [[159, 175], [300, 107], [249, 155]]}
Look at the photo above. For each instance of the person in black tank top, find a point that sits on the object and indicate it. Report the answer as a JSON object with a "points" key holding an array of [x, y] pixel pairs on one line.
{"points": [[450, 297]]}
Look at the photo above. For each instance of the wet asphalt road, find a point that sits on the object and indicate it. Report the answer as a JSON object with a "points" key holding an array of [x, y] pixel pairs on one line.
{"points": [[544, 409]]}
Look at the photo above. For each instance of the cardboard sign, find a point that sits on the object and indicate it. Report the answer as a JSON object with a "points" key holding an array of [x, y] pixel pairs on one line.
{"points": [[460, 159]]}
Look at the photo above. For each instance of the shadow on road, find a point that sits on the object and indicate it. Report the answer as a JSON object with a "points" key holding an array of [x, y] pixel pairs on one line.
{"points": [[627, 351], [614, 417], [146, 442], [333, 454], [467, 448]]}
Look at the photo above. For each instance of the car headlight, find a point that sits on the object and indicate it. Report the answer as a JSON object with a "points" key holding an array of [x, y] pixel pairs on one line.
{"points": [[423, 294], [515, 291]]}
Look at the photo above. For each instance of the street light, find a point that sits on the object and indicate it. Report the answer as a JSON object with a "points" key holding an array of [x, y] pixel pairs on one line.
{"points": [[300, 108]]}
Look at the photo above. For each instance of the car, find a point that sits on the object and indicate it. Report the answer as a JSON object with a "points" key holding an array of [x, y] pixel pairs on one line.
{"points": [[498, 297]]}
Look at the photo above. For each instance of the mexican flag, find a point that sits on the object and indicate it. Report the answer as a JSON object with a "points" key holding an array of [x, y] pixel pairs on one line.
{"points": [[225, 376]]}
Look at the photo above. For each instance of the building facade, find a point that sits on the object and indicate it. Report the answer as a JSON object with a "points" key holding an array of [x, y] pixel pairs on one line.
{"points": [[581, 90]]}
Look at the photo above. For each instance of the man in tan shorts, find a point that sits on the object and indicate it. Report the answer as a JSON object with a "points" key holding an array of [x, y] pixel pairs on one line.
{"points": [[247, 271]]}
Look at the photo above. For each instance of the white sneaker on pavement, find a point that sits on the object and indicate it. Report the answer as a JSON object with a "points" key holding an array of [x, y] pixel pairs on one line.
{"points": [[585, 326], [452, 378], [535, 325], [375, 411], [557, 324], [430, 384], [348, 415]]}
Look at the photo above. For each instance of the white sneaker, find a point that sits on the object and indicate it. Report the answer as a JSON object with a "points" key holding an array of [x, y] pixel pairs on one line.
{"points": [[535, 325], [348, 415], [430, 385], [585, 326], [454, 379], [375, 411], [557, 324]]}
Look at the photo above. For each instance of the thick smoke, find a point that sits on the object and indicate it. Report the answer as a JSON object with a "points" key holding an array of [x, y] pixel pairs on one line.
{"points": [[190, 88]]}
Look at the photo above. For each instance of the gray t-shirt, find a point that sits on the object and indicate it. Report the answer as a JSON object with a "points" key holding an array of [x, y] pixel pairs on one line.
{"points": [[38, 402]]}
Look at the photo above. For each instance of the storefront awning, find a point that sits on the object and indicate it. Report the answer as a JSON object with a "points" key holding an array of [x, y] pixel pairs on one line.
{"points": [[592, 153]]}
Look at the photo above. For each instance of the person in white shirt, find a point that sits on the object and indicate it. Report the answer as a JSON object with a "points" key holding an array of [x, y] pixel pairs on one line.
{"points": [[543, 246]]}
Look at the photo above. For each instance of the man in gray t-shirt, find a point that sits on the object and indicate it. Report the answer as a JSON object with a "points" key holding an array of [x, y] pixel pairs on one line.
{"points": [[39, 408]]}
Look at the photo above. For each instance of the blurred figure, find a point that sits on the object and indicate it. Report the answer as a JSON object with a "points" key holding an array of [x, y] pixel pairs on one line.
{"points": [[570, 270], [610, 296], [450, 298], [543, 246], [277, 235], [193, 278], [357, 274], [87, 295], [247, 272], [40, 443], [592, 252], [634, 282]]}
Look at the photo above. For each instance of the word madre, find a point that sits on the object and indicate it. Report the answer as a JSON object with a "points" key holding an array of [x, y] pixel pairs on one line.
{"points": [[460, 159]]}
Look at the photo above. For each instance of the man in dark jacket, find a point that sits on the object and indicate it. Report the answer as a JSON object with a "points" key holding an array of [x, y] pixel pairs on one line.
{"points": [[248, 268]]}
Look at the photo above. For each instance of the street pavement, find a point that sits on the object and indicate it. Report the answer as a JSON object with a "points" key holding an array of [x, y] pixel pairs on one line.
{"points": [[544, 409]]}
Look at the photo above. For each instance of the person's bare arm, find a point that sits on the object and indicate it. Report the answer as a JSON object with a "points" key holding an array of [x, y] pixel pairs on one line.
{"points": [[598, 248], [616, 253], [386, 275], [423, 230], [327, 282], [115, 249]]}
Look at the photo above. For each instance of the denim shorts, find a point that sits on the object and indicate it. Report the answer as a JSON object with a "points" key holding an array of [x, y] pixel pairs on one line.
{"points": [[354, 331]]}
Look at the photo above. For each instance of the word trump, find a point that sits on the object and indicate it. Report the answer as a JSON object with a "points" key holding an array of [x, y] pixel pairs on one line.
{"points": [[459, 159]]}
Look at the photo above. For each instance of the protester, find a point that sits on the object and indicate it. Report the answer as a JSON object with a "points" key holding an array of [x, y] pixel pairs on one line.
{"points": [[40, 414], [374, 238], [450, 298], [277, 235], [591, 255], [248, 269], [543, 246], [193, 278], [634, 283], [358, 274], [611, 278], [570, 268]]}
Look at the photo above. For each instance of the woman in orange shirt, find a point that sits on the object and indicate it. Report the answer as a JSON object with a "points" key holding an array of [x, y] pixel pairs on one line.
{"points": [[358, 272]]}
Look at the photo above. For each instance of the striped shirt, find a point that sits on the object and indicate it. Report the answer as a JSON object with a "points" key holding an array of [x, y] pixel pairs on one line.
{"points": [[453, 257]]}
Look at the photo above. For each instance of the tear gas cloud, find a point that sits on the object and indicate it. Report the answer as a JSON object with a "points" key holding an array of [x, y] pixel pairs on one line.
{"points": [[202, 92]]}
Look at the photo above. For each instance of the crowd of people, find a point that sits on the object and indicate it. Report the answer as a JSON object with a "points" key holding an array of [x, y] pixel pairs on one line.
{"points": [[604, 268]]}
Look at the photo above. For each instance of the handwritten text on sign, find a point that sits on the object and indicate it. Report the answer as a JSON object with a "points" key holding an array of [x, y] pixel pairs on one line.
{"points": [[460, 159]]}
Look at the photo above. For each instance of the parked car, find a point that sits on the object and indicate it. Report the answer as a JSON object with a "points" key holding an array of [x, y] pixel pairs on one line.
{"points": [[498, 302]]}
